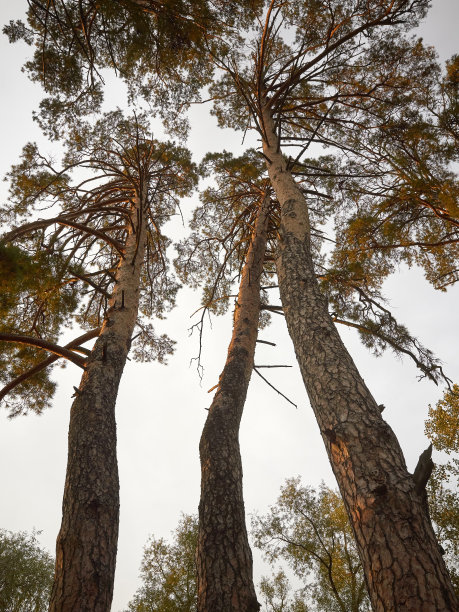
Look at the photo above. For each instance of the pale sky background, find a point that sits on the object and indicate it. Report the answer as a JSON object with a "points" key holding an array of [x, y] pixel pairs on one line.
{"points": [[160, 409]]}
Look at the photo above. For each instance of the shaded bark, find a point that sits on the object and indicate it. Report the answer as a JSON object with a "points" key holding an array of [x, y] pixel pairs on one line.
{"points": [[224, 558], [87, 541], [403, 566]]}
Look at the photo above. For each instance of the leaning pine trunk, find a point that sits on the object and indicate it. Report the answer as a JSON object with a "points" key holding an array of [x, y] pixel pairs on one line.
{"points": [[224, 559], [87, 542], [402, 562]]}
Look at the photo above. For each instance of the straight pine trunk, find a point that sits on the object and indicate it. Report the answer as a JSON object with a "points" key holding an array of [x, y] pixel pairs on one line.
{"points": [[87, 541], [224, 558], [403, 566]]}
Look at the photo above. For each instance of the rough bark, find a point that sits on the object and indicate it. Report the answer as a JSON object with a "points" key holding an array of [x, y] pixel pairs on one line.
{"points": [[87, 542], [224, 558], [402, 561]]}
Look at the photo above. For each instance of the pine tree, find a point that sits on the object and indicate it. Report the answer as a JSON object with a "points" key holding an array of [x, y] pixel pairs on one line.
{"points": [[305, 92], [231, 234], [158, 48], [107, 231]]}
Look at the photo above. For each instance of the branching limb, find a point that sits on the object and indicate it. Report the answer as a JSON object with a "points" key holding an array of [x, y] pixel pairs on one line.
{"points": [[74, 344], [60, 351]]}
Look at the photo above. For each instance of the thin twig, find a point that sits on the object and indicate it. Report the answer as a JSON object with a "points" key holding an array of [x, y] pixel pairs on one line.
{"points": [[273, 387]]}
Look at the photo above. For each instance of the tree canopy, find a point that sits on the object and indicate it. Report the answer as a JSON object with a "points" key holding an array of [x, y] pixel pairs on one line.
{"points": [[26, 572], [80, 241], [168, 572]]}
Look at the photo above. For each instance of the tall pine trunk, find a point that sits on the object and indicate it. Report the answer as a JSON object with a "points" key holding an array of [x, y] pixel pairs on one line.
{"points": [[402, 561], [87, 542], [224, 558]]}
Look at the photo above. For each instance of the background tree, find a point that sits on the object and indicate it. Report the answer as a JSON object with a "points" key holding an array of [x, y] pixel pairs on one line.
{"points": [[276, 595], [311, 531], [168, 572], [442, 429], [26, 573], [108, 225]]}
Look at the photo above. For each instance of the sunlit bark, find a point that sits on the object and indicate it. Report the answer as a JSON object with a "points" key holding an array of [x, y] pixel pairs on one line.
{"points": [[402, 561], [224, 559]]}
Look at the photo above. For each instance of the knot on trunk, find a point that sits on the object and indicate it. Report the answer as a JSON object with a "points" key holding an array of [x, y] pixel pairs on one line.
{"points": [[330, 435], [423, 470]]}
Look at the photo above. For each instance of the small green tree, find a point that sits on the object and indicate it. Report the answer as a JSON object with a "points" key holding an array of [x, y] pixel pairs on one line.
{"points": [[275, 592], [442, 428], [310, 530], [168, 572], [26, 573]]}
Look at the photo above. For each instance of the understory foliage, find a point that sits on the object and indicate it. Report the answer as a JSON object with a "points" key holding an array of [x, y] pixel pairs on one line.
{"points": [[26, 573], [442, 429], [276, 594], [168, 572], [309, 529]]}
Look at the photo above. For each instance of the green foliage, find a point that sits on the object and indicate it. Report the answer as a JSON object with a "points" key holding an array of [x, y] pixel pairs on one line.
{"points": [[168, 572], [443, 496], [405, 199], [159, 49], [35, 301], [26, 573], [449, 118], [212, 256], [310, 530], [442, 426], [442, 429], [276, 595], [72, 253]]}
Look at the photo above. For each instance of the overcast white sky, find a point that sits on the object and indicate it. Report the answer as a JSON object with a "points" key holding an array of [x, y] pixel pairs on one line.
{"points": [[160, 409]]}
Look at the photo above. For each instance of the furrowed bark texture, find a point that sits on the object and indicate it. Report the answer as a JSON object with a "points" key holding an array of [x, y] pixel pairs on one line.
{"points": [[87, 542], [224, 558], [402, 562]]}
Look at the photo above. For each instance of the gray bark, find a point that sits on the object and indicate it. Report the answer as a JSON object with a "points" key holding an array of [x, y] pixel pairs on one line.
{"points": [[224, 558], [87, 542], [402, 562]]}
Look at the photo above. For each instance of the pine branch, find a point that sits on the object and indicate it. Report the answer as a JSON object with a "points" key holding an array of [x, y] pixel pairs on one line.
{"points": [[47, 346], [273, 387], [74, 344]]}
